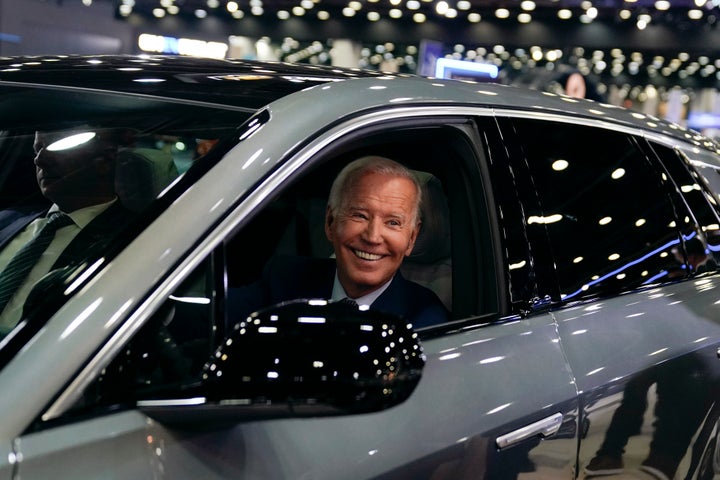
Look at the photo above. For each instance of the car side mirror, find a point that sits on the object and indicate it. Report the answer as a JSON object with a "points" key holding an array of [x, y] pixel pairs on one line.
{"points": [[304, 358]]}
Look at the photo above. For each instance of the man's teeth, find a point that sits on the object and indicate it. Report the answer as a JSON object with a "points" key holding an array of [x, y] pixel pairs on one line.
{"points": [[367, 256]]}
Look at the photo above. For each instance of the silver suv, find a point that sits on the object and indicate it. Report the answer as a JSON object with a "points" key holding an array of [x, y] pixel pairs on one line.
{"points": [[575, 245]]}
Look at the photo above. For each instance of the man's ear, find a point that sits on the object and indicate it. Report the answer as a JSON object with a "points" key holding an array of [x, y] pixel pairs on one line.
{"points": [[329, 219]]}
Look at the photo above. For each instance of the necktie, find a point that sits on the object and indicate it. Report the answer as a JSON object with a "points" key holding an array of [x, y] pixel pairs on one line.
{"points": [[349, 302], [25, 259]]}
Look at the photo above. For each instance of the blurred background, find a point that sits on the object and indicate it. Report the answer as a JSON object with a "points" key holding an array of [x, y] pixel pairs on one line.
{"points": [[659, 57]]}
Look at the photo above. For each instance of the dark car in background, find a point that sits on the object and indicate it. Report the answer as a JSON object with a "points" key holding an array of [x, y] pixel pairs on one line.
{"points": [[574, 243]]}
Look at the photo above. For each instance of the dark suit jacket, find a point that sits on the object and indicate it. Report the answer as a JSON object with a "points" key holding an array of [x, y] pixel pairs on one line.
{"points": [[290, 278]]}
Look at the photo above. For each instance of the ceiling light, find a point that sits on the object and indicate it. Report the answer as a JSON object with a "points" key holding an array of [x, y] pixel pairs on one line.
{"points": [[283, 14], [213, 3], [159, 12], [348, 12], [373, 16], [355, 5], [625, 14], [442, 7], [617, 173], [564, 14], [307, 4], [527, 5], [474, 17], [662, 4], [323, 15], [232, 7], [695, 14], [700, 3], [451, 13], [524, 18], [413, 5], [592, 12], [463, 5], [419, 17], [560, 165], [502, 13], [173, 9], [200, 13], [298, 11], [395, 13]]}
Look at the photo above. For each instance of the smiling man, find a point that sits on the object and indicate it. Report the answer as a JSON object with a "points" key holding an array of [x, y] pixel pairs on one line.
{"points": [[372, 221]]}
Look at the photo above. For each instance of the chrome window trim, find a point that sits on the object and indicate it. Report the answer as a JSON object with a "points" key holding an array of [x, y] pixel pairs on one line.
{"points": [[670, 139]]}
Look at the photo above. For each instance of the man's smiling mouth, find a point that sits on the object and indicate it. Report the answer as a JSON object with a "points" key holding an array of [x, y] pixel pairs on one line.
{"points": [[367, 255]]}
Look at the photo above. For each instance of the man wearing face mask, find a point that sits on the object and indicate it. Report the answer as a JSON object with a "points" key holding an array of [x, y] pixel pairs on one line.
{"points": [[75, 171]]}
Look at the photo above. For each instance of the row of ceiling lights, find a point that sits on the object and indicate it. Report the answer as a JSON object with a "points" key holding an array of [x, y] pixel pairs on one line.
{"points": [[587, 13], [540, 65], [615, 61]]}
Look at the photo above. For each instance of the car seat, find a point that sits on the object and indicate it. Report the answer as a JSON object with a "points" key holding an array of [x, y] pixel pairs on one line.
{"points": [[430, 263], [141, 174]]}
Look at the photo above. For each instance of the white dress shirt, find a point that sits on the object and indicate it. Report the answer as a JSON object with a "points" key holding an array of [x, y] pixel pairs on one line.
{"points": [[338, 293], [63, 236]]}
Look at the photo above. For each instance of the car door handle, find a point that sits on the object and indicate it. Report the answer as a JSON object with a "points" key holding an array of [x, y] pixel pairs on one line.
{"points": [[544, 428]]}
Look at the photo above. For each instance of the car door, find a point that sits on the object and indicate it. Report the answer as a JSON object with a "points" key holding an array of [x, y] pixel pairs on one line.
{"points": [[496, 398], [637, 320]]}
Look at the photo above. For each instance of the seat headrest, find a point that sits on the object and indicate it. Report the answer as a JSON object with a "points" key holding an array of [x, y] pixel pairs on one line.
{"points": [[433, 242], [141, 174]]}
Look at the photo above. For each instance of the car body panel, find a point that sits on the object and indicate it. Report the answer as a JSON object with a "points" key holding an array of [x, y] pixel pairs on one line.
{"points": [[459, 369], [671, 329]]}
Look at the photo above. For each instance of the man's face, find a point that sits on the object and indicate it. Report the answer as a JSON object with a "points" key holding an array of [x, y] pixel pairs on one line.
{"points": [[69, 165], [373, 231]]}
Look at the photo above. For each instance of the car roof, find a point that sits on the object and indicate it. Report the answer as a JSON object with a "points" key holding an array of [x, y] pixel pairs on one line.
{"points": [[239, 83], [251, 85]]}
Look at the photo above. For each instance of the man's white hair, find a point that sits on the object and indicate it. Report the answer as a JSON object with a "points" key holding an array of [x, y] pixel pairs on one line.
{"points": [[351, 174]]}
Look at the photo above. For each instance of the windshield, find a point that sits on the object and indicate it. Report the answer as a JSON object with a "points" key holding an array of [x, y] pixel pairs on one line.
{"points": [[79, 172]]}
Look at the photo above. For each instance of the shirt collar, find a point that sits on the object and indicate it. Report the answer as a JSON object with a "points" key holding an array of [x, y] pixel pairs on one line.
{"points": [[82, 216], [338, 293]]}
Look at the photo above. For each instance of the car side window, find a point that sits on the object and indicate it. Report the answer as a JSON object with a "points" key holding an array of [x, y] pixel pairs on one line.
{"points": [[165, 358], [291, 260], [293, 226], [699, 221], [605, 208]]}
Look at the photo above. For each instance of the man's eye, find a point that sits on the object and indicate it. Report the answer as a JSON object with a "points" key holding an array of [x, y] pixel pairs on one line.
{"points": [[394, 223]]}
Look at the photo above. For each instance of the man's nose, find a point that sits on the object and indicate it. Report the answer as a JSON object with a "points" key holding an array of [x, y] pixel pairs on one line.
{"points": [[43, 157], [373, 231]]}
